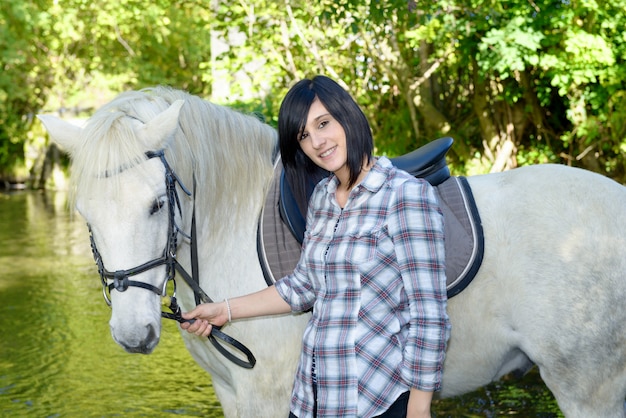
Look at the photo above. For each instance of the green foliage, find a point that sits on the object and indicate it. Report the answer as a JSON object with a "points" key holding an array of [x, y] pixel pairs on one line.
{"points": [[547, 76], [510, 48], [22, 80]]}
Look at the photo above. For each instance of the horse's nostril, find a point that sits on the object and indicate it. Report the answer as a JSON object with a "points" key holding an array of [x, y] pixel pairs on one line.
{"points": [[144, 345]]}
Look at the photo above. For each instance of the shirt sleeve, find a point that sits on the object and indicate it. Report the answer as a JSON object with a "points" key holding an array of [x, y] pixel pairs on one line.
{"points": [[416, 227], [296, 288]]}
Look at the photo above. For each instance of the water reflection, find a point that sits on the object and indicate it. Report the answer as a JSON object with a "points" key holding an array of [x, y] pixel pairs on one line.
{"points": [[526, 397], [57, 358]]}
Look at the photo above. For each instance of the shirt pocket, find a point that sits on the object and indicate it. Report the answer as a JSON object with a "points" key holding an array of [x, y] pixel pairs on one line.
{"points": [[373, 255], [363, 249]]}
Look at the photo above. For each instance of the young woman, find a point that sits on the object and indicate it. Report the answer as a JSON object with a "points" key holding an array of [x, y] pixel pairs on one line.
{"points": [[371, 269]]}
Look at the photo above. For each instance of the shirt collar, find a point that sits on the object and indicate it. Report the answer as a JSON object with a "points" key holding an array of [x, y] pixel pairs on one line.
{"points": [[374, 179]]}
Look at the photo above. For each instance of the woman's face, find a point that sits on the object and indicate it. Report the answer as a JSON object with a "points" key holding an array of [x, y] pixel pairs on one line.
{"points": [[323, 140]]}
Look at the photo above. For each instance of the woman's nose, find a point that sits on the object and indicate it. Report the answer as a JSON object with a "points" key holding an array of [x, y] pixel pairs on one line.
{"points": [[317, 141]]}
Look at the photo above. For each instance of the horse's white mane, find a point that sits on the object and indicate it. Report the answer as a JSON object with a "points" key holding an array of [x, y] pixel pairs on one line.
{"points": [[228, 152]]}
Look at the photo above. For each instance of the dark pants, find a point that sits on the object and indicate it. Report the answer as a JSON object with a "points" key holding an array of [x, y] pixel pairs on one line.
{"points": [[397, 410]]}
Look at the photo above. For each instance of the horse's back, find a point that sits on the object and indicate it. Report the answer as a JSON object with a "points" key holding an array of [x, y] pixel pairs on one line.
{"points": [[557, 230], [551, 205], [551, 287]]}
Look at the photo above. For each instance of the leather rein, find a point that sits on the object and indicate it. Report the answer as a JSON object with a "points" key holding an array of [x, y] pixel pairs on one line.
{"points": [[121, 282]]}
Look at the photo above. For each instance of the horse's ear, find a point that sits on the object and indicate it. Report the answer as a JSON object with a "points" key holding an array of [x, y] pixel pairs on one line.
{"points": [[63, 133], [157, 131]]}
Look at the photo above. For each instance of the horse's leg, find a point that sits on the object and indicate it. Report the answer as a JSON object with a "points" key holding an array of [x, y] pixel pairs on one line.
{"points": [[603, 401], [582, 359], [579, 344], [589, 384], [265, 390], [219, 373]]}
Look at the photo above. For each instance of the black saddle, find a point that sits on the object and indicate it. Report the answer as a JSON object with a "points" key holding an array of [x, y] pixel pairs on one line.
{"points": [[427, 162]]}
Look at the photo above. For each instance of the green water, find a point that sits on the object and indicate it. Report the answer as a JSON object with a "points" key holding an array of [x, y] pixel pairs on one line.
{"points": [[57, 358]]}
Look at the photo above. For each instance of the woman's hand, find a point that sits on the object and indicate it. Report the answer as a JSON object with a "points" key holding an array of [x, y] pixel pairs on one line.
{"points": [[261, 303], [205, 316]]}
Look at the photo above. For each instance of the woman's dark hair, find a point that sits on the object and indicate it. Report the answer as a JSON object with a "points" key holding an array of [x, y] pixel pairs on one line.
{"points": [[301, 172]]}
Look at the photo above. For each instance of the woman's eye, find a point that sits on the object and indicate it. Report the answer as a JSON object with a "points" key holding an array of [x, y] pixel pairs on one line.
{"points": [[303, 137], [157, 205], [322, 124]]}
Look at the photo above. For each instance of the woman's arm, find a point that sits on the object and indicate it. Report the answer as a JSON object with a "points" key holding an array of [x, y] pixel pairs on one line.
{"points": [[419, 404], [416, 225], [264, 302]]}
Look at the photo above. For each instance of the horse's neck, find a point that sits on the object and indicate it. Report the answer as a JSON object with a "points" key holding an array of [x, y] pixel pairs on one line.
{"points": [[227, 249], [232, 179]]}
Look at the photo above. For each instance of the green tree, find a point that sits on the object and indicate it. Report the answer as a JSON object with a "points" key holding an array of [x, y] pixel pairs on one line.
{"points": [[514, 82], [23, 81]]}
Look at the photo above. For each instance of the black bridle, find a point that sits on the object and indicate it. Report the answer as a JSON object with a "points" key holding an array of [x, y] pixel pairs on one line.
{"points": [[121, 282]]}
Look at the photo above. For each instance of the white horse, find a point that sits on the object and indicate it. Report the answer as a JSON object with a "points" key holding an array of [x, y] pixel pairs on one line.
{"points": [[550, 291]]}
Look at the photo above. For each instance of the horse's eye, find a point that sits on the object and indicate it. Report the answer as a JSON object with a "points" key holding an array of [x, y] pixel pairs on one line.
{"points": [[157, 205]]}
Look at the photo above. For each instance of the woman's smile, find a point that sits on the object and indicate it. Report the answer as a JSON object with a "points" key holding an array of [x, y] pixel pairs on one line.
{"points": [[328, 152]]}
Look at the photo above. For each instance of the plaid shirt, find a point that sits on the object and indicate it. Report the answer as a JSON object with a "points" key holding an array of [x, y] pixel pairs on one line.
{"points": [[374, 275]]}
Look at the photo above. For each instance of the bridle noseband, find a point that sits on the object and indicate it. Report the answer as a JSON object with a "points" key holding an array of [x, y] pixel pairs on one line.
{"points": [[120, 278]]}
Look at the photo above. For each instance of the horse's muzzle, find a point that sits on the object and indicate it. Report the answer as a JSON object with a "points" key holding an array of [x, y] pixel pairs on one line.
{"points": [[142, 345]]}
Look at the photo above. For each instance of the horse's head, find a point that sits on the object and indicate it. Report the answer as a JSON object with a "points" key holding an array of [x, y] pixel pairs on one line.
{"points": [[126, 191]]}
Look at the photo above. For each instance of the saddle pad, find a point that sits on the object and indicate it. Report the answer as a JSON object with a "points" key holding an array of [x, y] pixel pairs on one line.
{"points": [[279, 251], [463, 231]]}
